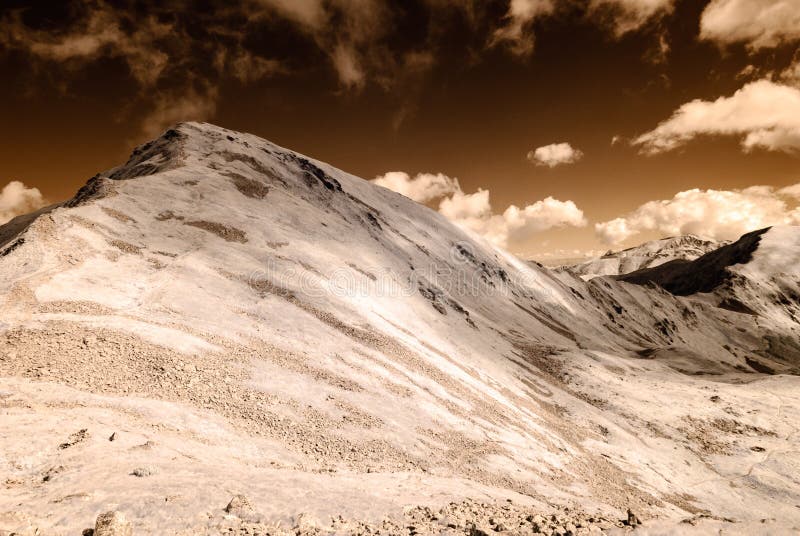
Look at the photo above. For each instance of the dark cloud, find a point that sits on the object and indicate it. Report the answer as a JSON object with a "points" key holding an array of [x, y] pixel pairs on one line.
{"points": [[98, 32], [463, 86], [362, 41]]}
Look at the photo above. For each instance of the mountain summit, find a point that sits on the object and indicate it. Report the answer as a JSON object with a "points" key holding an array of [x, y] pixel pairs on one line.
{"points": [[222, 333], [646, 255]]}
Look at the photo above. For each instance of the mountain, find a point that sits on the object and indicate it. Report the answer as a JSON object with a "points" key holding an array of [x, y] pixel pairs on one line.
{"points": [[757, 275], [646, 255], [225, 334]]}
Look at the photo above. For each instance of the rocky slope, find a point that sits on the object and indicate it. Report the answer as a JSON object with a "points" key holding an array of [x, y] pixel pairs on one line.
{"points": [[221, 317], [646, 255], [757, 276]]}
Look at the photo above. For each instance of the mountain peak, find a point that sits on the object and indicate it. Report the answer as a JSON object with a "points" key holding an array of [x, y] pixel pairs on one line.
{"points": [[167, 151], [645, 255], [266, 306]]}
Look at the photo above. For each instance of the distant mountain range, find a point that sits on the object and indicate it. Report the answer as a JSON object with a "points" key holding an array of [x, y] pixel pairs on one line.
{"points": [[646, 255]]}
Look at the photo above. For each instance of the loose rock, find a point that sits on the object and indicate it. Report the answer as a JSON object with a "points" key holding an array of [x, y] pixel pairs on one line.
{"points": [[144, 471], [241, 507], [112, 523]]}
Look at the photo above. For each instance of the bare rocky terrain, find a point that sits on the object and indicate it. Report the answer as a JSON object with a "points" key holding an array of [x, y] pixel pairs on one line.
{"points": [[222, 336]]}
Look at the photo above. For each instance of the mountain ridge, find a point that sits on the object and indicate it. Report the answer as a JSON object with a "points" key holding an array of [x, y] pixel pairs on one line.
{"points": [[646, 255], [315, 331]]}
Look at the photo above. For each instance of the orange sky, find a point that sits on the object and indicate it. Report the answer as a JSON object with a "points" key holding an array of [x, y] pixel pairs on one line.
{"points": [[436, 86]]}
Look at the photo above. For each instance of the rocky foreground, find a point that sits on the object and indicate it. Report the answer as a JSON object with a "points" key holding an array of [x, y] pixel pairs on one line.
{"points": [[466, 517]]}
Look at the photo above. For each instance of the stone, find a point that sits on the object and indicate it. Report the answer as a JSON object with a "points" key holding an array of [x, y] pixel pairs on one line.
{"points": [[112, 523], [632, 520], [241, 507], [144, 471]]}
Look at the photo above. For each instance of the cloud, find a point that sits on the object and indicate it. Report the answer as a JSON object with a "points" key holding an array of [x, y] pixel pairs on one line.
{"points": [[717, 214], [473, 211], [349, 32], [758, 23], [346, 62], [792, 191], [629, 15], [763, 113], [169, 47], [16, 199], [619, 16], [555, 154], [310, 13], [515, 225], [409, 81], [244, 65], [422, 188], [515, 32], [791, 74], [176, 58], [184, 105], [101, 32], [541, 216]]}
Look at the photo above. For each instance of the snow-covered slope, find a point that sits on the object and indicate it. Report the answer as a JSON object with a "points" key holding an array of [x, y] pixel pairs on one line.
{"points": [[646, 255], [246, 320]]}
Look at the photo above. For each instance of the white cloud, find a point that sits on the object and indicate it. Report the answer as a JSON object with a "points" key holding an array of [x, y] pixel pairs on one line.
{"points": [[310, 13], [630, 15], [520, 15], [515, 225], [555, 154], [791, 74], [541, 216], [473, 211], [764, 114], [791, 191], [16, 199], [422, 188], [717, 214], [759, 23], [462, 206], [347, 66]]}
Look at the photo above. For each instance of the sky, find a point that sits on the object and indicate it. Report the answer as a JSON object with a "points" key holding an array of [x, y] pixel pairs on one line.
{"points": [[553, 128]]}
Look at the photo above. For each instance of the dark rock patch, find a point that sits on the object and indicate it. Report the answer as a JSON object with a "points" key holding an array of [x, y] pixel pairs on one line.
{"points": [[362, 272], [704, 274], [168, 215], [249, 187], [17, 243], [229, 234], [732, 304], [126, 247], [74, 439], [95, 188], [312, 173], [153, 157], [251, 162], [758, 366]]}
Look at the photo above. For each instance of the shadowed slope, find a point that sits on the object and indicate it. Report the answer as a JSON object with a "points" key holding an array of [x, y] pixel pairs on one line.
{"points": [[682, 277]]}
